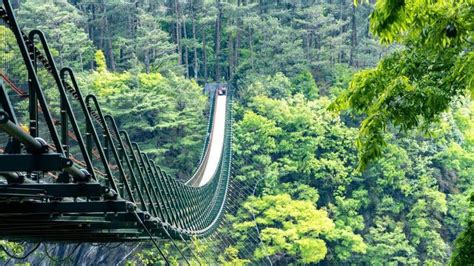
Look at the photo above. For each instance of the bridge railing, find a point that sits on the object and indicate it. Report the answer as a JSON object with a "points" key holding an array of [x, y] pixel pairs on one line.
{"points": [[113, 176]]}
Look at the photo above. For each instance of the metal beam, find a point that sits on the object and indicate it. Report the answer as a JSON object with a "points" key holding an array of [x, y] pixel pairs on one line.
{"points": [[30, 163], [25, 208], [90, 190]]}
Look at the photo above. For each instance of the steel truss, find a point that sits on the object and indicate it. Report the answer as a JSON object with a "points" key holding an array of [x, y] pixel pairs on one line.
{"points": [[124, 201]]}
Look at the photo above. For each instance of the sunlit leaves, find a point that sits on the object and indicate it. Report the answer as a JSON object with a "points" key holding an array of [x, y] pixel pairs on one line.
{"points": [[463, 253], [231, 258], [409, 88], [164, 114], [14, 248], [295, 228], [100, 61], [417, 22], [388, 19], [288, 226]]}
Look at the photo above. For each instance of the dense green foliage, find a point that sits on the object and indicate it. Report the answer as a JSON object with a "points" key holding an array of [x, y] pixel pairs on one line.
{"points": [[407, 206], [413, 85], [464, 252], [165, 114], [210, 40], [300, 197]]}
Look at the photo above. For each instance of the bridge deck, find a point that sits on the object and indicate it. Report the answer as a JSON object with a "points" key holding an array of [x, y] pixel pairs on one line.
{"points": [[212, 158]]}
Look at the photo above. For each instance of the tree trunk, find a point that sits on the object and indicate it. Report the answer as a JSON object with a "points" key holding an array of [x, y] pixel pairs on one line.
{"points": [[133, 18], [218, 40], [306, 45], [204, 54], [353, 37], [178, 31], [230, 45], [147, 61], [186, 50], [91, 28], [251, 48], [109, 50], [195, 60], [101, 26], [341, 31], [237, 39]]}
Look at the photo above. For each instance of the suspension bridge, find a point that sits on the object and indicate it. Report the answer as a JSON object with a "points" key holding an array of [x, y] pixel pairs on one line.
{"points": [[72, 175]]}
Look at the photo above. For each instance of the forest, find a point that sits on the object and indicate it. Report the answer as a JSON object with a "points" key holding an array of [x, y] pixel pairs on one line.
{"points": [[353, 121]]}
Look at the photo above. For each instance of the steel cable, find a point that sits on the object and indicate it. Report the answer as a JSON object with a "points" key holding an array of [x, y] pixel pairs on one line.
{"points": [[151, 237], [66, 258]]}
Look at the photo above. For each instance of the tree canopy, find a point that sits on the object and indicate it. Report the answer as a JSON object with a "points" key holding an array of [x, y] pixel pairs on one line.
{"points": [[412, 86], [385, 180]]}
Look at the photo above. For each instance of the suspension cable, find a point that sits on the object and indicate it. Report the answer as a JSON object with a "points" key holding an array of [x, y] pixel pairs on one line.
{"points": [[174, 244], [129, 253], [151, 237], [186, 243], [256, 224], [190, 249], [66, 258]]}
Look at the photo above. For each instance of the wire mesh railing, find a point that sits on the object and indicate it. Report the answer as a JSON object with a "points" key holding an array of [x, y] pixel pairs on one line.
{"points": [[105, 158]]}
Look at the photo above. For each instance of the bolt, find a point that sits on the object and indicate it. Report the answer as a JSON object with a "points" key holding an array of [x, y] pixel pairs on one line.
{"points": [[68, 163]]}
